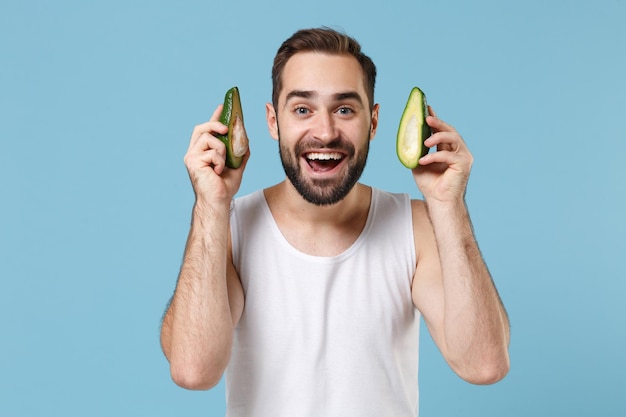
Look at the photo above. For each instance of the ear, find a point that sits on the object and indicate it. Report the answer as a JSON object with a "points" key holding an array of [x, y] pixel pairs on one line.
{"points": [[374, 123], [272, 121]]}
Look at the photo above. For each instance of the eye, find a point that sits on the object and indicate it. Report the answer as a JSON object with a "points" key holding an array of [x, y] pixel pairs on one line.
{"points": [[344, 110], [301, 110]]}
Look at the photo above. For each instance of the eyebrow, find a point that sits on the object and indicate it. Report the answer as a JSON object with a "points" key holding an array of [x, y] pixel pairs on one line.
{"points": [[347, 95], [299, 94]]}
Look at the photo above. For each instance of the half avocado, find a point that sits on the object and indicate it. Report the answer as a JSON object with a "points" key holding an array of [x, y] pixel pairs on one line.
{"points": [[413, 130], [236, 140]]}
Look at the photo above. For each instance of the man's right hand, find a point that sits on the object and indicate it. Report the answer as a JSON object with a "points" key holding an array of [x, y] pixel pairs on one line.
{"points": [[213, 182]]}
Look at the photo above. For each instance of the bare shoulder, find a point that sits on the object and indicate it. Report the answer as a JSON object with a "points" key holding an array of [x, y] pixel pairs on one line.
{"points": [[422, 227], [427, 278], [236, 296], [418, 207], [423, 235]]}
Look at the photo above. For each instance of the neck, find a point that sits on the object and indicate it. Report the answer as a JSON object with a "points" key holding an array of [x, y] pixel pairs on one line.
{"points": [[319, 230]]}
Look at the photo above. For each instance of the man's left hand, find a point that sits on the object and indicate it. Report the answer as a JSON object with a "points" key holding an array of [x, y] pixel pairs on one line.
{"points": [[443, 175]]}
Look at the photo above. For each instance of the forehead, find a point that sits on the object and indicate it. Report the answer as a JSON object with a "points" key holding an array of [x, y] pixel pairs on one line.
{"points": [[323, 73]]}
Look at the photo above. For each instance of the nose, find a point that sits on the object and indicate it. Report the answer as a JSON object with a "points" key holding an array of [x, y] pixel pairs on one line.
{"points": [[324, 129]]}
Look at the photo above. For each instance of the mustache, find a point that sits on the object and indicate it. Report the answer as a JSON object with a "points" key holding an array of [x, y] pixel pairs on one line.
{"points": [[337, 144]]}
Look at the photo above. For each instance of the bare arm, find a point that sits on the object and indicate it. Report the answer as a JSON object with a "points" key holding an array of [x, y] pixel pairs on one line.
{"points": [[197, 329], [452, 286]]}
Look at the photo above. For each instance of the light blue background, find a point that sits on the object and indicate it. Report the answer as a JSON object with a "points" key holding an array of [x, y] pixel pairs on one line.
{"points": [[97, 101]]}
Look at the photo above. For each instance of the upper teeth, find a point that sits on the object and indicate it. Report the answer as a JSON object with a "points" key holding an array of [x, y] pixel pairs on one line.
{"points": [[324, 156]]}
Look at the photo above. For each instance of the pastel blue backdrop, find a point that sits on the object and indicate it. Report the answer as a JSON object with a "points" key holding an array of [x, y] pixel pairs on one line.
{"points": [[97, 101]]}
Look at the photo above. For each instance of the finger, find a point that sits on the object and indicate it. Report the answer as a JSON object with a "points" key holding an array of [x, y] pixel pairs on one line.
{"points": [[446, 141], [450, 157], [431, 111], [205, 142], [447, 158], [217, 113], [207, 151], [215, 160], [212, 126], [439, 125], [210, 158]]}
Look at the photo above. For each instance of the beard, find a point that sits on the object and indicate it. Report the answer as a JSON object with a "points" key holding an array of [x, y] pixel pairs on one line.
{"points": [[328, 191]]}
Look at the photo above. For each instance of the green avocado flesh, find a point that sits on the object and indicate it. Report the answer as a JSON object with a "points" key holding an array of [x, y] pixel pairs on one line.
{"points": [[236, 140], [413, 130]]}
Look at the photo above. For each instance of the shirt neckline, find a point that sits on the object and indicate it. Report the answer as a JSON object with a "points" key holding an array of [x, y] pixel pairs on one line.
{"points": [[278, 235]]}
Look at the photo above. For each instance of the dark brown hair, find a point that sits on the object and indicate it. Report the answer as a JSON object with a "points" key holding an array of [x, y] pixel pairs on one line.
{"points": [[324, 40]]}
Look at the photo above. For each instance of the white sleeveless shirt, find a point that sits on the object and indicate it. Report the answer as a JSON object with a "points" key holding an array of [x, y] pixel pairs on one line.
{"points": [[325, 336]]}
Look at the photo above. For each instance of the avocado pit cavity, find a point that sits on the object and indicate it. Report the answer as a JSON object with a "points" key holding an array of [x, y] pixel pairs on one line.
{"points": [[239, 138]]}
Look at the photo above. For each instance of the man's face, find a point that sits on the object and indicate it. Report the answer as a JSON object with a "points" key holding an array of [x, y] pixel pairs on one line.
{"points": [[323, 124]]}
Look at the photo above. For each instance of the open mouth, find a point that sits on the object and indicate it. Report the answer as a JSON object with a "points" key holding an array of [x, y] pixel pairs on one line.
{"points": [[323, 161]]}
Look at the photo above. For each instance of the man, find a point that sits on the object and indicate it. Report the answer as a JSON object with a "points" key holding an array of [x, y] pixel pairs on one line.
{"points": [[309, 293]]}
